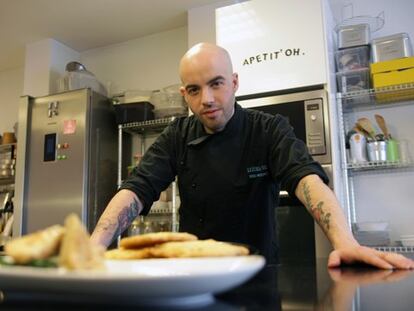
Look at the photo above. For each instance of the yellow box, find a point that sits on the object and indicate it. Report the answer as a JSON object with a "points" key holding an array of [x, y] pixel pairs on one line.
{"points": [[392, 72], [384, 79]]}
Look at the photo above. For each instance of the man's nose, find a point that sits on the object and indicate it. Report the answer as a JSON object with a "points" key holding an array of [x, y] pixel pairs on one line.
{"points": [[207, 97]]}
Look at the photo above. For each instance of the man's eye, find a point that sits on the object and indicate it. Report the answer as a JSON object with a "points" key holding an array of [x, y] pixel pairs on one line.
{"points": [[192, 91], [216, 84]]}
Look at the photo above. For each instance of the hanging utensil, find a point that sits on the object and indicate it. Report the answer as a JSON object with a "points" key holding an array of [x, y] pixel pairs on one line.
{"points": [[382, 125], [366, 124]]}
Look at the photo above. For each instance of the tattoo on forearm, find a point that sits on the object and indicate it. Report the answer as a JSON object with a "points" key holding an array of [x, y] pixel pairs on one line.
{"points": [[117, 226], [318, 212], [126, 216]]}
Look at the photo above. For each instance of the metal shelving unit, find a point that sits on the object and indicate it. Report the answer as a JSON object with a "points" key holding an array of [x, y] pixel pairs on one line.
{"points": [[374, 165], [361, 101], [145, 128]]}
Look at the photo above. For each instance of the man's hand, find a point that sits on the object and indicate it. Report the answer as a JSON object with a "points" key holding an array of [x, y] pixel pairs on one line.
{"points": [[370, 256]]}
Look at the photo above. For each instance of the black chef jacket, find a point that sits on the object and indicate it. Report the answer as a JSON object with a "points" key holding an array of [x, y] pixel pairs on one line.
{"points": [[228, 181]]}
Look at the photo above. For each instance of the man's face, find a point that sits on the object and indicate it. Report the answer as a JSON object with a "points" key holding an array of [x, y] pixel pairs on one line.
{"points": [[209, 89]]}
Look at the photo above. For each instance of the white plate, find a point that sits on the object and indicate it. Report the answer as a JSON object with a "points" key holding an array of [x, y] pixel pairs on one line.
{"points": [[149, 282]]}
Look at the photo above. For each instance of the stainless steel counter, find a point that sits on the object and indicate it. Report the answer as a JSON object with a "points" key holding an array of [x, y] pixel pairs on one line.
{"points": [[283, 287]]}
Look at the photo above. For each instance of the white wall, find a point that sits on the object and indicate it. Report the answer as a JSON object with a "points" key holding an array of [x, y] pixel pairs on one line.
{"points": [[147, 63], [45, 62], [11, 88]]}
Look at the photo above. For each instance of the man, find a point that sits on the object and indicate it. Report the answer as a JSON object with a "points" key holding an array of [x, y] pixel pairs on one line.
{"points": [[230, 164]]}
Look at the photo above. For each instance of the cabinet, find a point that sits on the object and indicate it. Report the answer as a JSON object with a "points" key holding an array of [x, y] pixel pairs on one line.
{"points": [[380, 191], [165, 216]]}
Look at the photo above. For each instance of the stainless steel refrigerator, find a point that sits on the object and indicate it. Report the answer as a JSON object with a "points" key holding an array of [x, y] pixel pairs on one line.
{"points": [[66, 159]]}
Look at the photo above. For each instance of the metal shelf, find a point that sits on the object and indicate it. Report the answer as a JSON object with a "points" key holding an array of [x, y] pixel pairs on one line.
{"points": [[378, 165], [402, 94], [357, 102], [156, 125], [398, 249]]}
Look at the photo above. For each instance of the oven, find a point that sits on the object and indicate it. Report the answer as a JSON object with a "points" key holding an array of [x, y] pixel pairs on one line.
{"points": [[307, 112]]}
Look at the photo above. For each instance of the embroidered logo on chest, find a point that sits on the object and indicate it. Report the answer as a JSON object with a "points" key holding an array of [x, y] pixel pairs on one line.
{"points": [[257, 171]]}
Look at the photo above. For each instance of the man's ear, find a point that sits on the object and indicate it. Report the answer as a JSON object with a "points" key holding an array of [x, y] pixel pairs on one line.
{"points": [[182, 90], [235, 77]]}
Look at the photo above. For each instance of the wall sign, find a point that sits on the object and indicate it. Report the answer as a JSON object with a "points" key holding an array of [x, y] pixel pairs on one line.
{"points": [[274, 44]]}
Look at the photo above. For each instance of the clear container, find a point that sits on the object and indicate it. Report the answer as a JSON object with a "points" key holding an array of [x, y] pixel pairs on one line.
{"points": [[74, 80], [166, 112], [135, 96], [168, 103], [159, 99], [353, 35], [354, 80], [352, 58], [391, 47]]}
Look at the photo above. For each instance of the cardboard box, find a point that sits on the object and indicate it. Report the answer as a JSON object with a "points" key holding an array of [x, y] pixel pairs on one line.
{"points": [[390, 73], [393, 72]]}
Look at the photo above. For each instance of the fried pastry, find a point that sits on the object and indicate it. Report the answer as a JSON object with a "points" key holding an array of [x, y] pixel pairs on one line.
{"points": [[122, 253], [38, 245], [150, 239], [77, 251], [199, 248]]}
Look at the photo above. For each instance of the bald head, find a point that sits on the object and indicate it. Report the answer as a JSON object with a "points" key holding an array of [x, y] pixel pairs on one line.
{"points": [[209, 85], [205, 54]]}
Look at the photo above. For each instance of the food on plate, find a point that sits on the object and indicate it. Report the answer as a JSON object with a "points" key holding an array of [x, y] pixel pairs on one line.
{"points": [[200, 248], [122, 253], [77, 251], [173, 245], [71, 244], [151, 239], [38, 245]]}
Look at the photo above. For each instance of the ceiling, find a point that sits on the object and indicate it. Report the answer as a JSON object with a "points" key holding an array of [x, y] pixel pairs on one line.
{"points": [[88, 24], [84, 24]]}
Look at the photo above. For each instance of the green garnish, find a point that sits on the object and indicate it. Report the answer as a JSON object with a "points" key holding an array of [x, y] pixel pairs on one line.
{"points": [[51, 262]]}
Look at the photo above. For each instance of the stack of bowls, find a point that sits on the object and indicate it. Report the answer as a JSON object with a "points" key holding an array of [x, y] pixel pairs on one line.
{"points": [[407, 240]]}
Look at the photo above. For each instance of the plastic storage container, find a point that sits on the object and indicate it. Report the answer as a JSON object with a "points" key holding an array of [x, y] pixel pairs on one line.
{"points": [[134, 112], [168, 104], [355, 80], [391, 47], [352, 58], [353, 35], [75, 80]]}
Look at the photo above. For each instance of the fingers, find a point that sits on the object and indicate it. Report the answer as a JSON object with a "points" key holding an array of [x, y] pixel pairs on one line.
{"points": [[398, 261], [372, 257], [334, 259], [382, 260]]}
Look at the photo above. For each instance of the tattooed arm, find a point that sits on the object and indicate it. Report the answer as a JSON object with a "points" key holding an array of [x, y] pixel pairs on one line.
{"points": [[118, 215], [322, 204]]}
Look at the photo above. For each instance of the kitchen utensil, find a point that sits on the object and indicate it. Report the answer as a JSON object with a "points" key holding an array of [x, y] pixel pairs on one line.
{"points": [[363, 132], [382, 125], [366, 124]]}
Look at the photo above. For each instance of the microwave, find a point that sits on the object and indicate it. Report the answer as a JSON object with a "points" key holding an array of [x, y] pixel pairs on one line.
{"points": [[306, 111]]}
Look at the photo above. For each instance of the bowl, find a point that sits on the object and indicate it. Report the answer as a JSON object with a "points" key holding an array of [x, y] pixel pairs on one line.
{"points": [[407, 242]]}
